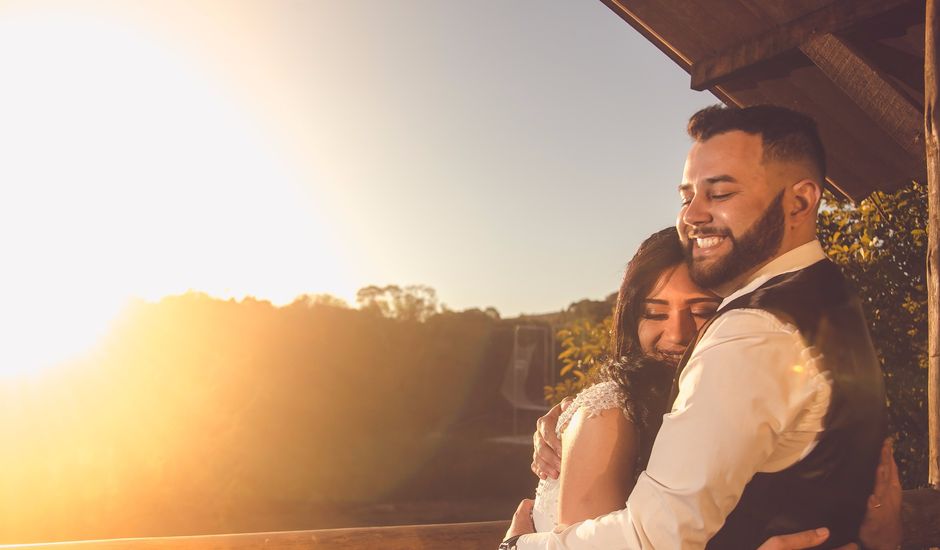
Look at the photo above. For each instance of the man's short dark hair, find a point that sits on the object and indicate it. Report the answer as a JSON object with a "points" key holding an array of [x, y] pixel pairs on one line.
{"points": [[786, 134]]}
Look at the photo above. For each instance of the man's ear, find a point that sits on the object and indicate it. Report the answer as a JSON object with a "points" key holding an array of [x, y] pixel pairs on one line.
{"points": [[806, 196]]}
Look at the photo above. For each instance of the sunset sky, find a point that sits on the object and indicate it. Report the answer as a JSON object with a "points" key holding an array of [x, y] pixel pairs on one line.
{"points": [[507, 153]]}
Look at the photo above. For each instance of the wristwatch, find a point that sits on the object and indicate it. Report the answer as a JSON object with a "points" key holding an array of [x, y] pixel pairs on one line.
{"points": [[509, 544]]}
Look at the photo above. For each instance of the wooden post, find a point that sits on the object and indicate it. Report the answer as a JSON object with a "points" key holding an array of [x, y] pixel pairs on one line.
{"points": [[931, 129]]}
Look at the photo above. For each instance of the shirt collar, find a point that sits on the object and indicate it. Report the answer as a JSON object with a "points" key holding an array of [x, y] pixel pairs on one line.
{"points": [[799, 258]]}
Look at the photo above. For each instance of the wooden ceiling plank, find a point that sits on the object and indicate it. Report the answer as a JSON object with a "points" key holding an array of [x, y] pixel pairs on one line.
{"points": [[839, 15], [618, 7], [871, 90], [684, 30]]}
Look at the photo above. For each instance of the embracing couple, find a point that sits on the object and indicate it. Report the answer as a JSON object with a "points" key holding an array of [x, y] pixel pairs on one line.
{"points": [[746, 408]]}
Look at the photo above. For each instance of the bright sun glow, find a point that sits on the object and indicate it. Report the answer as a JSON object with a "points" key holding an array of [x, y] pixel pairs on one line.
{"points": [[128, 172]]}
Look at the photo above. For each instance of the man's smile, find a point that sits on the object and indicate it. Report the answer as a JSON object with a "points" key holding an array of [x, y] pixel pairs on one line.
{"points": [[708, 242], [704, 246]]}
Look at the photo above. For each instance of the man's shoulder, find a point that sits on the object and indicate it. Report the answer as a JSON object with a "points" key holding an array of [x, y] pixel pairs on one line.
{"points": [[816, 285], [739, 322], [747, 338], [754, 351]]}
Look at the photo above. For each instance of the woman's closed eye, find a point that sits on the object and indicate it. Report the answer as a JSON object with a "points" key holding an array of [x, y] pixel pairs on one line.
{"points": [[705, 313], [655, 315]]}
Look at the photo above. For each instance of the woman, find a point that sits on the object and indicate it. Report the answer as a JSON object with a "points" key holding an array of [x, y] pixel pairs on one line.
{"points": [[608, 430], [610, 426]]}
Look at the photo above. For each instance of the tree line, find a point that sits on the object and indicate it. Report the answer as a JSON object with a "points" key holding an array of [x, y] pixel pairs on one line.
{"points": [[201, 415]]}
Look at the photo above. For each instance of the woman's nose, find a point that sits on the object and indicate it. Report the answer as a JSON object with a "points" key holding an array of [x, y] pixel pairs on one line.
{"points": [[680, 328]]}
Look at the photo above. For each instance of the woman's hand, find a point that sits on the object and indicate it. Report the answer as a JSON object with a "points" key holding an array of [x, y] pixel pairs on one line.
{"points": [[546, 455], [881, 528], [521, 520]]}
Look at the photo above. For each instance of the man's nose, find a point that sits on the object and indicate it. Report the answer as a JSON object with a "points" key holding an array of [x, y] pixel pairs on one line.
{"points": [[696, 212]]}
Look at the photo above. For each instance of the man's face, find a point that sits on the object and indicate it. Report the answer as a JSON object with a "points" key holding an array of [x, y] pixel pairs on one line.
{"points": [[731, 219]]}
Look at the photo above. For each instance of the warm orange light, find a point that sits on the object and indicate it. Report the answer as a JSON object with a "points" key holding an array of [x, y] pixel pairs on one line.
{"points": [[130, 170]]}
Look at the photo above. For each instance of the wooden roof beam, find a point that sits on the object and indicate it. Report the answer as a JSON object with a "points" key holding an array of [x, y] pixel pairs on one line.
{"points": [[836, 16], [625, 13], [871, 90]]}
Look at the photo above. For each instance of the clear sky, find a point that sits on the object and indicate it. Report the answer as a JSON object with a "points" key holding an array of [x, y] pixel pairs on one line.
{"points": [[507, 153]]}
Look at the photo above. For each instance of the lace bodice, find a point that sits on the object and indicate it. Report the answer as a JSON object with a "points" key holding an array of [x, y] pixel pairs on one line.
{"points": [[594, 400]]}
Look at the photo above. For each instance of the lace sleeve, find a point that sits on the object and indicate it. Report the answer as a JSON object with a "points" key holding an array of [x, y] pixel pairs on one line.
{"points": [[594, 400]]}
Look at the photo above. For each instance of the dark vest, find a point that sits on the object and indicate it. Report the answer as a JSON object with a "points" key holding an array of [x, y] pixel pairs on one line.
{"points": [[830, 486]]}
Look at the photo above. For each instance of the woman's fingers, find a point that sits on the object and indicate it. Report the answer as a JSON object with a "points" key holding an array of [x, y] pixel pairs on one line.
{"points": [[881, 527], [546, 447]]}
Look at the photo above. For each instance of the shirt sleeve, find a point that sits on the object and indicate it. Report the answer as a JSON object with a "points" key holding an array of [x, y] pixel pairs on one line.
{"points": [[748, 381]]}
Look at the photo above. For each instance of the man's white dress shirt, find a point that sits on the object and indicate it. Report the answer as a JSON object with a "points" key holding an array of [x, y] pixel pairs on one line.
{"points": [[750, 400]]}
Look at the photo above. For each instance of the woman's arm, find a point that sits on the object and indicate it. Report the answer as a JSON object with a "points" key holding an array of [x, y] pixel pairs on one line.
{"points": [[598, 458]]}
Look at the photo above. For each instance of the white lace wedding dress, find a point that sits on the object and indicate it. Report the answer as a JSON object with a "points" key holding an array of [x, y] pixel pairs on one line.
{"points": [[594, 400]]}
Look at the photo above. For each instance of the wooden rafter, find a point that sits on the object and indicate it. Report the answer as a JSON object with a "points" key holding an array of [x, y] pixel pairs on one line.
{"points": [[618, 7], [838, 15], [625, 13], [871, 90]]}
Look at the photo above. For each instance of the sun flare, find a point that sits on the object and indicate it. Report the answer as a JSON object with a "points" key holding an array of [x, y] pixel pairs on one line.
{"points": [[129, 172]]}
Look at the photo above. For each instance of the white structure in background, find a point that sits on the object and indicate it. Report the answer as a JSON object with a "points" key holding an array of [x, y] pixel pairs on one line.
{"points": [[531, 367]]}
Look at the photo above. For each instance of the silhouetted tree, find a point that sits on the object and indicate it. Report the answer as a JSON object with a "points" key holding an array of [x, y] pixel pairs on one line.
{"points": [[411, 303], [312, 300]]}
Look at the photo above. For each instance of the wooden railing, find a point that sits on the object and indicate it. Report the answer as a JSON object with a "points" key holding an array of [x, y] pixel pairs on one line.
{"points": [[920, 513], [456, 536]]}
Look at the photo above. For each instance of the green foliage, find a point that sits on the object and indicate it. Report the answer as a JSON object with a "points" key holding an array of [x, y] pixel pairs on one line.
{"points": [[881, 245], [584, 344]]}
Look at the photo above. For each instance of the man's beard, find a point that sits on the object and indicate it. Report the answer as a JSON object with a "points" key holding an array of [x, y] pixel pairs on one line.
{"points": [[758, 244]]}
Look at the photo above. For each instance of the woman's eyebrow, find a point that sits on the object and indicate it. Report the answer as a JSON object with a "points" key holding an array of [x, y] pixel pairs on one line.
{"points": [[703, 299], [656, 301]]}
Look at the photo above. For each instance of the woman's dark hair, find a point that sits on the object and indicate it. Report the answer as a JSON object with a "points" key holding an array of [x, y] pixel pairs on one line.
{"points": [[657, 254], [644, 382]]}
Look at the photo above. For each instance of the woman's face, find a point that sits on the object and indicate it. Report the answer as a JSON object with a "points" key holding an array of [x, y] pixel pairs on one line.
{"points": [[672, 313]]}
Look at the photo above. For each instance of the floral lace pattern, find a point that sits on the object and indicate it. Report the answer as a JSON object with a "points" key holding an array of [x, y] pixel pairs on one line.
{"points": [[594, 400]]}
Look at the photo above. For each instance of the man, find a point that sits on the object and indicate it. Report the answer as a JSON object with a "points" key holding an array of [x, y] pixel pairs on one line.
{"points": [[779, 405]]}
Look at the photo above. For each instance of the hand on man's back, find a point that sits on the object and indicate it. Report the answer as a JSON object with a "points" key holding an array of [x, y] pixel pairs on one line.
{"points": [[546, 454]]}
